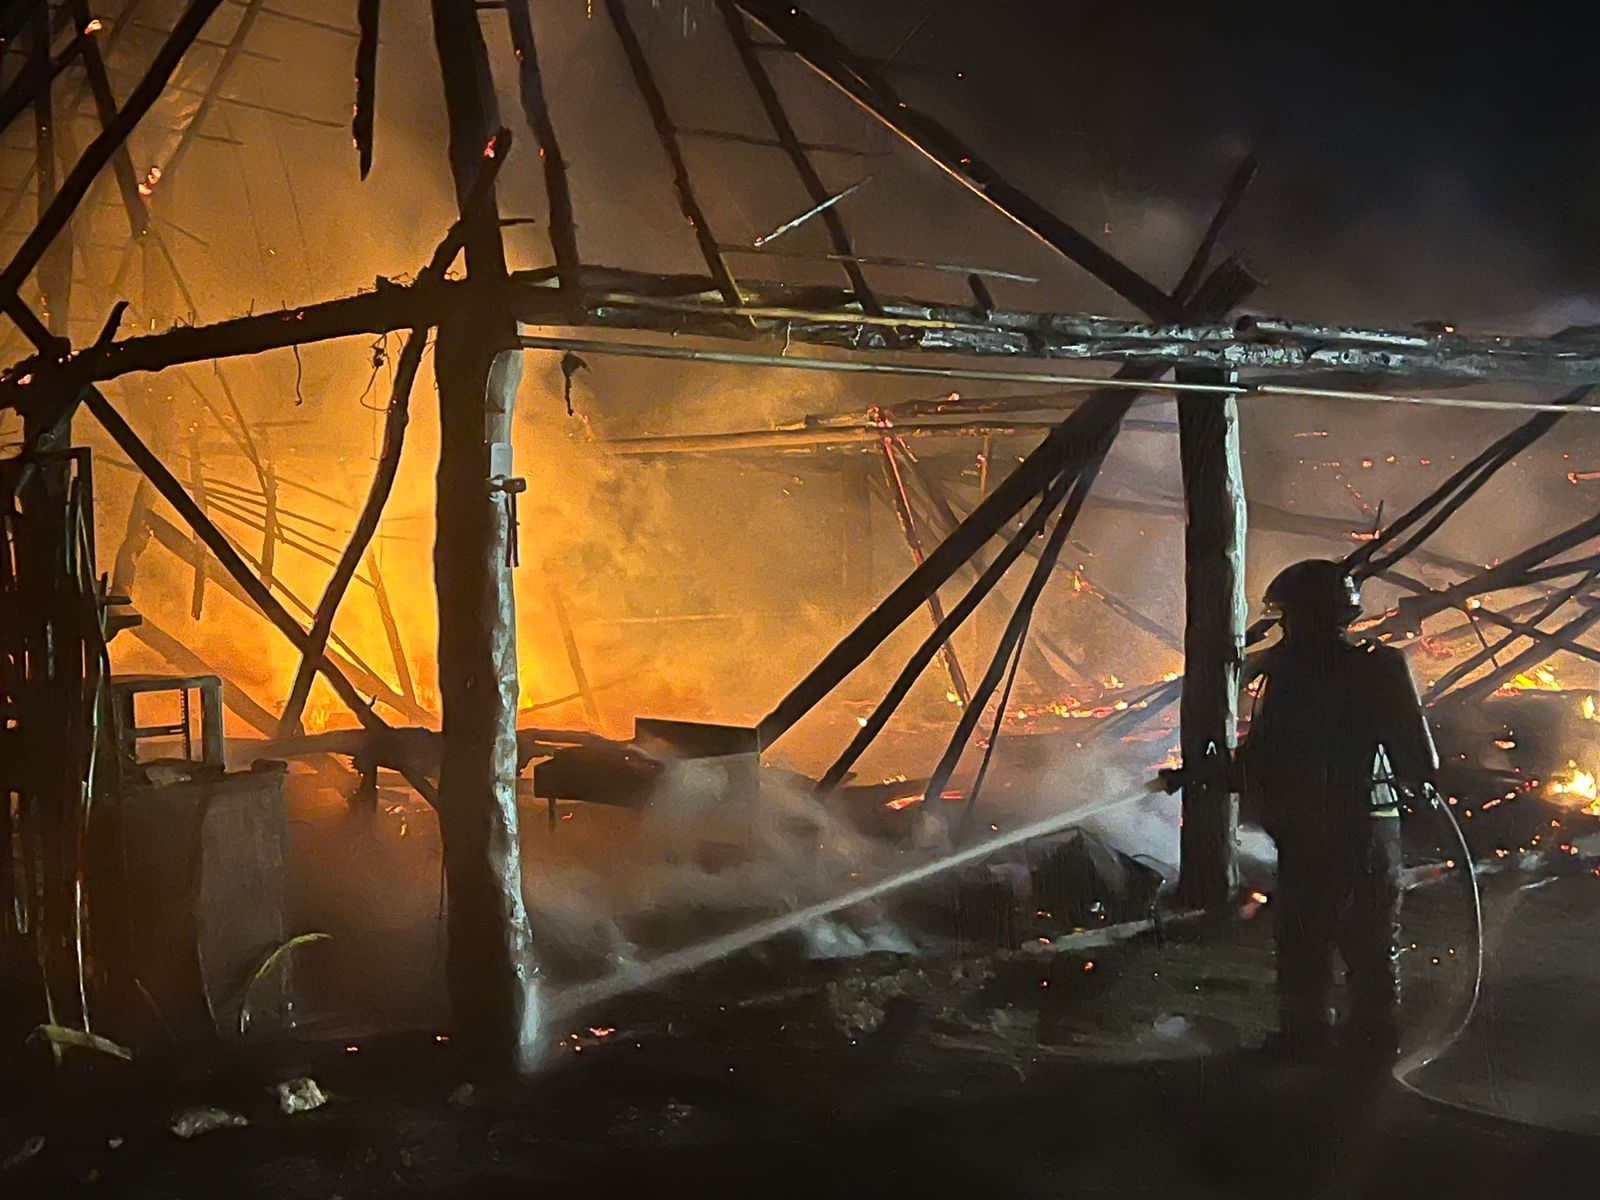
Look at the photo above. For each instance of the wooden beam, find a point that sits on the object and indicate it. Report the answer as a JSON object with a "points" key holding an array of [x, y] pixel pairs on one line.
{"points": [[655, 103], [105, 105], [558, 194], [1066, 449], [211, 94], [783, 129], [396, 417], [55, 269], [95, 156], [1050, 499], [363, 115], [828, 57], [166, 486]]}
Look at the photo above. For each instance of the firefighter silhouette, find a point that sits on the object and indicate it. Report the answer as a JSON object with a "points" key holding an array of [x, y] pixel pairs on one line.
{"points": [[1338, 744]]}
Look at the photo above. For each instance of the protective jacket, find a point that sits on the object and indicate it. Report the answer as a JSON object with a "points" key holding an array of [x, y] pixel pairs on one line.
{"points": [[1337, 734]]}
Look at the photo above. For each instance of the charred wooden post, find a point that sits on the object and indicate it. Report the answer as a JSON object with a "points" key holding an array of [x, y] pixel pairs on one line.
{"points": [[1214, 634], [478, 365]]}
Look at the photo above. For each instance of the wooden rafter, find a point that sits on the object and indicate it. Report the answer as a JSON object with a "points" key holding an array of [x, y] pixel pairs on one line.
{"points": [[650, 92]]}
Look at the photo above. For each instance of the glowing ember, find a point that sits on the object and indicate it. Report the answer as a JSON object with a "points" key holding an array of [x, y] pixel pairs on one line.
{"points": [[1578, 789], [1540, 679]]}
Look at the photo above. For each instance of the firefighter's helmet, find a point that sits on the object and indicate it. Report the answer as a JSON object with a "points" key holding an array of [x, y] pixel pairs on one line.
{"points": [[1316, 592]]}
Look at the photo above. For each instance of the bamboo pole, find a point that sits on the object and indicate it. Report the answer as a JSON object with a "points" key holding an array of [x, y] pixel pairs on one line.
{"points": [[391, 628], [1441, 686], [569, 638], [1016, 628], [1066, 449], [105, 104]]}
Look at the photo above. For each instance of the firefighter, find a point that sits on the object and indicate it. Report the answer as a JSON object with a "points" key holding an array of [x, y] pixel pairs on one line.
{"points": [[1338, 744]]}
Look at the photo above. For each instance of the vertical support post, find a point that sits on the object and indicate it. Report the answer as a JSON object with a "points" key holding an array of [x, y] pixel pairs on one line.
{"points": [[1215, 613], [478, 365]]}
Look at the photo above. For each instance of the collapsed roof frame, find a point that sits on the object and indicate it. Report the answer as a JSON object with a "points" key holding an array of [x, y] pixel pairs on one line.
{"points": [[1186, 330]]}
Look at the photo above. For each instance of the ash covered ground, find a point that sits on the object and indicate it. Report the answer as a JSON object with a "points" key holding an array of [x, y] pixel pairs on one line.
{"points": [[911, 1046]]}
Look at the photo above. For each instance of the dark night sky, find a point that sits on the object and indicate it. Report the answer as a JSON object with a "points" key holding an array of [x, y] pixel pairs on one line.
{"points": [[1435, 155]]}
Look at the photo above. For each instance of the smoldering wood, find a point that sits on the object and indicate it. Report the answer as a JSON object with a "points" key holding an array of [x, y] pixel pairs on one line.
{"points": [[1052, 680], [1445, 500], [1065, 449], [683, 184], [1529, 658], [858, 79], [534, 299], [1507, 574], [1488, 654], [105, 104]]}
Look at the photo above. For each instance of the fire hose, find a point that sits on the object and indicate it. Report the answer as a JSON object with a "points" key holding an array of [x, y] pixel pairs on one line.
{"points": [[1436, 1039], [1451, 1028]]}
